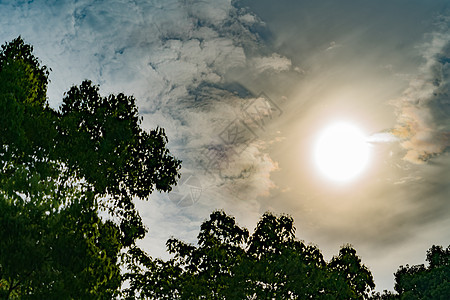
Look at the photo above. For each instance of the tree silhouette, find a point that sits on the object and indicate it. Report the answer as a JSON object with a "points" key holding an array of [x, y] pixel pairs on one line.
{"points": [[58, 170], [229, 263], [420, 282]]}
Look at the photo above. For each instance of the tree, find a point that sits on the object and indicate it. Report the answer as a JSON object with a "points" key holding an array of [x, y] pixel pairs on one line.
{"points": [[420, 282], [279, 266], [58, 170], [351, 279], [45, 254], [229, 263], [207, 271], [100, 140], [386, 295]]}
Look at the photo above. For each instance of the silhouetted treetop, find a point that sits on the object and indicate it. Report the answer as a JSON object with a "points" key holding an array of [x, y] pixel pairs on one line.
{"points": [[229, 263]]}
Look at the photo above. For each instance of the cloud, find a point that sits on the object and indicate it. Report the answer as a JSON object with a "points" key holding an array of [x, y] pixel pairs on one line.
{"points": [[178, 58], [424, 108], [275, 63], [196, 68], [333, 45]]}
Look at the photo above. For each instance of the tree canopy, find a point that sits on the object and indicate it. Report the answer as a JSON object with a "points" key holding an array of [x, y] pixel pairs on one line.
{"points": [[431, 282], [230, 263], [68, 224], [58, 170], [423, 282]]}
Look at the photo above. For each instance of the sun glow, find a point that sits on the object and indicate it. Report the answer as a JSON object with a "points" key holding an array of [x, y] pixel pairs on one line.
{"points": [[341, 152]]}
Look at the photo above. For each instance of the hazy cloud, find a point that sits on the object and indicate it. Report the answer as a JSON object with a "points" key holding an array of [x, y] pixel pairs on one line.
{"points": [[424, 108]]}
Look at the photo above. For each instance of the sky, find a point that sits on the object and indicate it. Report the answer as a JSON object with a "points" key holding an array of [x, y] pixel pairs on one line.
{"points": [[244, 90]]}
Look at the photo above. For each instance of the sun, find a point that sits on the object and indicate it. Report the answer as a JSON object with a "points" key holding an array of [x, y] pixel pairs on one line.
{"points": [[341, 152]]}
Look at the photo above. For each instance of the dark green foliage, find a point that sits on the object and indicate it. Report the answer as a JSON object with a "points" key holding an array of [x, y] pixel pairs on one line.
{"points": [[100, 140], [31, 86], [420, 282], [279, 266], [53, 252], [164, 278], [351, 278], [58, 170], [228, 263], [386, 295], [68, 254]]}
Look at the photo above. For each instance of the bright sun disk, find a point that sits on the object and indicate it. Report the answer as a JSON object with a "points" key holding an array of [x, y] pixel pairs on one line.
{"points": [[341, 152]]}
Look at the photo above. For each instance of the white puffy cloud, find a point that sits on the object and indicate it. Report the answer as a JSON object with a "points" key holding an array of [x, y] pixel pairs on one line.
{"points": [[174, 57]]}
